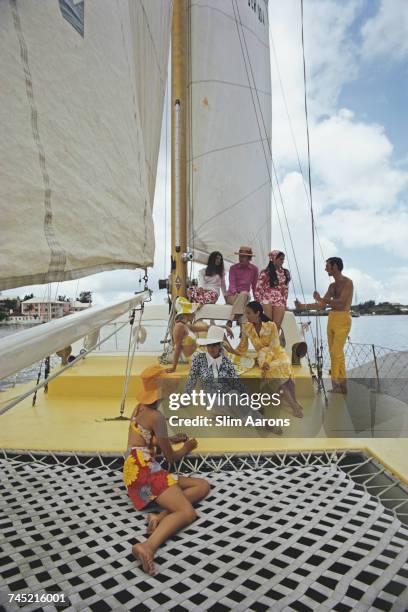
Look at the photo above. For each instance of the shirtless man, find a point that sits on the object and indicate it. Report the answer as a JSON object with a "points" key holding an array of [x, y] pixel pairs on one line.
{"points": [[339, 297]]}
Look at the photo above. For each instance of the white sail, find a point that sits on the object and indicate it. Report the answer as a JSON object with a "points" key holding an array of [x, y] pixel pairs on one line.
{"points": [[26, 347], [83, 86], [230, 139]]}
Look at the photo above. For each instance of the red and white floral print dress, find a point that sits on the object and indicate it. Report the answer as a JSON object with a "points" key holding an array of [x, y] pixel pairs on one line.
{"points": [[276, 296]]}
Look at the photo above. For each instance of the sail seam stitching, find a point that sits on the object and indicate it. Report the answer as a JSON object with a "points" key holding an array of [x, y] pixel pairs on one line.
{"points": [[233, 19], [57, 255], [224, 210], [262, 91], [233, 146]]}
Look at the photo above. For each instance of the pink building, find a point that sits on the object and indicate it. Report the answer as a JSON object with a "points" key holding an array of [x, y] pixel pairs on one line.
{"points": [[43, 309]]}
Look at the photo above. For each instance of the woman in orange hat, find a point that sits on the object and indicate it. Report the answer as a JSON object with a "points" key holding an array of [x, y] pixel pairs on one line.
{"points": [[146, 480]]}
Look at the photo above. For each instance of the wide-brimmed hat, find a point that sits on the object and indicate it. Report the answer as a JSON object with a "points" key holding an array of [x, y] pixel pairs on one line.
{"points": [[245, 250], [183, 306], [150, 378], [215, 335]]}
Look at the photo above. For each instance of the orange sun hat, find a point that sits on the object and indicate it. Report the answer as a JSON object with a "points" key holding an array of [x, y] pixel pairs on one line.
{"points": [[150, 378]]}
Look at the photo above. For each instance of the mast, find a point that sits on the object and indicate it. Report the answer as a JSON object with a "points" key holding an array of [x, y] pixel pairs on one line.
{"points": [[178, 148]]}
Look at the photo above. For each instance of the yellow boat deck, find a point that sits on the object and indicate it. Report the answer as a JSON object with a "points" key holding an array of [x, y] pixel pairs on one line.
{"points": [[71, 417]]}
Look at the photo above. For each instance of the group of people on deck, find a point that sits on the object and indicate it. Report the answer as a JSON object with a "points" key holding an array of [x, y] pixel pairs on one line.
{"points": [[260, 321], [270, 287]]}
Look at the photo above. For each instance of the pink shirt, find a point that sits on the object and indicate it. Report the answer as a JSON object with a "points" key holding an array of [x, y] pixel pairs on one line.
{"points": [[242, 278]]}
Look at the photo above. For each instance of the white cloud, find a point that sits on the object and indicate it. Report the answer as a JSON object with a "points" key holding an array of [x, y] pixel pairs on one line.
{"points": [[397, 285], [366, 287], [386, 34], [353, 164], [359, 229]]}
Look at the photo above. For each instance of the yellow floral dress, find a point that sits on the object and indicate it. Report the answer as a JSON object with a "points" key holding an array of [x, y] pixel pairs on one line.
{"points": [[268, 349]]}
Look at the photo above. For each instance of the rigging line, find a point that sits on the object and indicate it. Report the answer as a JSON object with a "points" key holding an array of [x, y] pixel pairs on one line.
{"points": [[293, 134], [19, 398], [267, 160], [252, 75], [166, 176], [288, 227], [190, 207], [56, 291], [155, 54], [251, 91], [287, 252], [283, 237], [308, 146], [318, 325]]}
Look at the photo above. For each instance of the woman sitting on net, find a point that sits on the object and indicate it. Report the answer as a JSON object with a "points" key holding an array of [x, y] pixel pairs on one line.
{"points": [[146, 480], [211, 281]]}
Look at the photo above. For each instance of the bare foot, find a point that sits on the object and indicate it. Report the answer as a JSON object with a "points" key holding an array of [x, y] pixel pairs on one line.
{"points": [[152, 521], [341, 390], [278, 431], [144, 553], [298, 411]]}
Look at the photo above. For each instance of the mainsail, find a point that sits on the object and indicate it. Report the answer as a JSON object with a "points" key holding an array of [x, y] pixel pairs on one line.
{"points": [[83, 89], [230, 128]]}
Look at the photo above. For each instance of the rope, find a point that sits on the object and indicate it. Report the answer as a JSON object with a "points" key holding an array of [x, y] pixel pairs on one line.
{"points": [[319, 349], [165, 183], [167, 342], [293, 136], [133, 340], [17, 399], [270, 150], [190, 140]]}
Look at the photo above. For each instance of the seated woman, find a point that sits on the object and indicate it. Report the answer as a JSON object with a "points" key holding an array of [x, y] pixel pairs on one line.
{"points": [[184, 333], [272, 288], [146, 480], [272, 358], [211, 281]]}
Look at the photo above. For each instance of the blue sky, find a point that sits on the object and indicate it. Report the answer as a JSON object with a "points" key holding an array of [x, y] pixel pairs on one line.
{"points": [[357, 66]]}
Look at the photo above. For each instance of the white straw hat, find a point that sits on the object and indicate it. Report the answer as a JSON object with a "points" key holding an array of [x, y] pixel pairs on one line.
{"points": [[214, 336]]}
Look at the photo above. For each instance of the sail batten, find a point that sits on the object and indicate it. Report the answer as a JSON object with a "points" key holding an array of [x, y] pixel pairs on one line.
{"points": [[230, 129], [80, 119]]}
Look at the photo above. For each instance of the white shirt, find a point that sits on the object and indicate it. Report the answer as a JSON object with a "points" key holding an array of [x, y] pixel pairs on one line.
{"points": [[214, 364], [215, 282]]}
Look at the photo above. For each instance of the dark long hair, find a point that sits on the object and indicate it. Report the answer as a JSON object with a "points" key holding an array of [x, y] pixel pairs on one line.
{"points": [[273, 277], [212, 269], [257, 307]]}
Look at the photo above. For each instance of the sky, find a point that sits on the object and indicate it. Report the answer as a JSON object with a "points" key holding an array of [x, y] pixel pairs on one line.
{"points": [[357, 87]]}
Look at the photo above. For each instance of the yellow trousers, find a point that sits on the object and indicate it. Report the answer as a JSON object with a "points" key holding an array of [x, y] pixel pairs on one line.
{"points": [[338, 328]]}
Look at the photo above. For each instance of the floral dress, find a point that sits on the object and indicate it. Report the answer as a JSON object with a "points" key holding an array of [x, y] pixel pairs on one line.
{"points": [[143, 476], [268, 349], [276, 296]]}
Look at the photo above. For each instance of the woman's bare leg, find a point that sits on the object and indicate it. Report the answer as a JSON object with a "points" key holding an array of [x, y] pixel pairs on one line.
{"points": [[268, 310], [194, 489], [288, 394], [278, 312], [180, 514]]}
